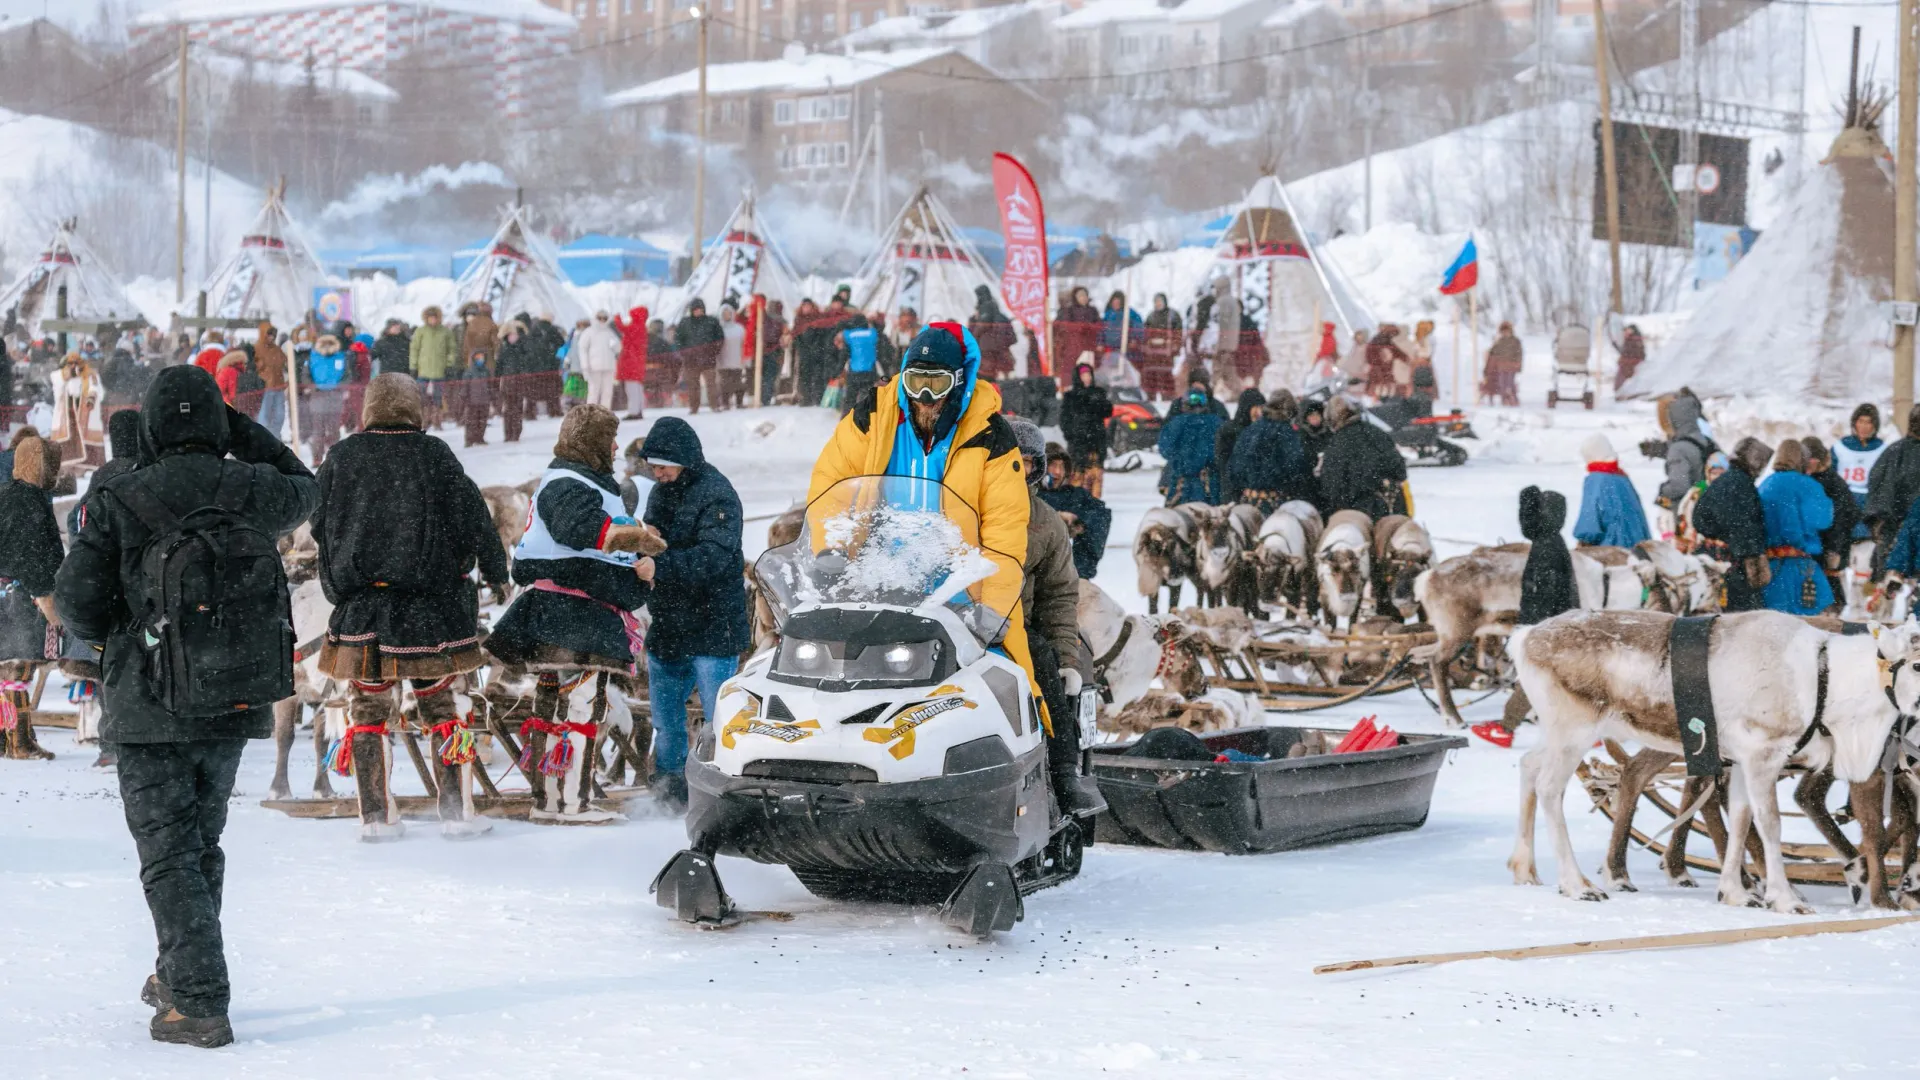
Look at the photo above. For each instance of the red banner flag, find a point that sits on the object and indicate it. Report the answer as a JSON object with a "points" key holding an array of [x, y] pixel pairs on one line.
{"points": [[1023, 223]]}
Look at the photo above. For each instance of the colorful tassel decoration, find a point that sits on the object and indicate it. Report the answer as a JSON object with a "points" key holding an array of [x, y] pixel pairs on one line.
{"points": [[81, 690], [559, 757], [339, 758], [457, 746], [10, 712]]}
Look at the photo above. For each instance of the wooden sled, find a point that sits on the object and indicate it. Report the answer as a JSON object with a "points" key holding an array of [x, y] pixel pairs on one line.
{"points": [[1349, 668], [1807, 864], [425, 808]]}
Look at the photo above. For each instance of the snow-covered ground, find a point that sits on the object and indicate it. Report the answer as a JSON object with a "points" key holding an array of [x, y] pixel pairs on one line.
{"points": [[538, 951]]}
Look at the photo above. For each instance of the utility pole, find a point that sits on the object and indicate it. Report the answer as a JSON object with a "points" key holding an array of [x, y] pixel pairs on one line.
{"points": [[1689, 121], [180, 210], [1904, 192], [1608, 163], [700, 16], [1369, 108], [879, 167]]}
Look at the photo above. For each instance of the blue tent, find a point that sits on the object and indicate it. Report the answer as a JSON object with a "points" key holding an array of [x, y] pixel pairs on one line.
{"points": [[597, 257], [405, 262]]}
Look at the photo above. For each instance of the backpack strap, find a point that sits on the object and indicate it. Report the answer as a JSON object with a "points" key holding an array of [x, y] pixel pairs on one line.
{"points": [[230, 494], [148, 508]]}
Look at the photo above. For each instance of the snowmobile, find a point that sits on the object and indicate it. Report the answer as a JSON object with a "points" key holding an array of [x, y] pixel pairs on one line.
{"points": [[1135, 424], [885, 750], [1422, 437]]}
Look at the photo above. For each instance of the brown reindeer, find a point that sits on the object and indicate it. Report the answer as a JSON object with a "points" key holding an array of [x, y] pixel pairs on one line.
{"points": [[1164, 552]]}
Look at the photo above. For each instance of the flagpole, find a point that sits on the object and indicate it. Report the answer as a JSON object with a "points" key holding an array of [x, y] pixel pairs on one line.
{"points": [[1473, 319], [1456, 358]]}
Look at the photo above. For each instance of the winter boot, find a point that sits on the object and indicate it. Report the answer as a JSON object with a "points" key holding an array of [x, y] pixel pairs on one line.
{"points": [[370, 709], [206, 1032], [669, 790], [560, 754], [156, 995], [1076, 795], [454, 752]]}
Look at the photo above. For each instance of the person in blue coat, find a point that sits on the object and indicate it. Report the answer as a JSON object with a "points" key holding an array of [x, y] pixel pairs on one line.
{"points": [[1610, 511], [1269, 463], [1186, 442], [1854, 457], [324, 397], [1796, 509]]}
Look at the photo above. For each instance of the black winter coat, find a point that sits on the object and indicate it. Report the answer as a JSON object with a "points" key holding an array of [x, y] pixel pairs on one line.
{"points": [[183, 458], [1846, 513], [399, 526], [1729, 511], [547, 340], [30, 550], [1229, 434], [1269, 456], [1358, 467], [699, 603], [1892, 486], [1096, 522], [520, 357], [1546, 584], [1084, 412], [586, 627], [390, 353]]}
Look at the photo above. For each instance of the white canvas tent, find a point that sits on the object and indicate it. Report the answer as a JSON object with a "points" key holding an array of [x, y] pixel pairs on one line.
{"points": [[1803, 314], [743, 259], [1285, 285], [93, 295], [518, 272], [923, 263], [272, 275]]}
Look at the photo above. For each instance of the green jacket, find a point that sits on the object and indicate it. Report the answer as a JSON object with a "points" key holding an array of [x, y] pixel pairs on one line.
{"points": [[434, 352]]}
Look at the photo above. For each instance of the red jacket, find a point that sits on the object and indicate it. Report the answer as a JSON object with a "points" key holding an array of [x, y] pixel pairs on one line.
{"points": [[632, 365], [208, 359]]}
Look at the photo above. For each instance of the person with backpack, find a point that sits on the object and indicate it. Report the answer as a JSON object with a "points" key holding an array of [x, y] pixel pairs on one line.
{"points": [[399, 526], [176, 568]]}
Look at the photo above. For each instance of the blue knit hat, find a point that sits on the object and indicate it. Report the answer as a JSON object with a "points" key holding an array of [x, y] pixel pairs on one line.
{"points": [[938, 346]]}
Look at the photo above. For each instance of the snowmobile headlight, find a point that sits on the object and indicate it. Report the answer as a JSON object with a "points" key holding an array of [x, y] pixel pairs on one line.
{"points": [[808, 655], [899, 659]]}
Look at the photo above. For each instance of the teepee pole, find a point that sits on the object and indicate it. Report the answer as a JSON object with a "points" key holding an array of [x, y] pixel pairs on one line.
{"points": [[1904, 197]]}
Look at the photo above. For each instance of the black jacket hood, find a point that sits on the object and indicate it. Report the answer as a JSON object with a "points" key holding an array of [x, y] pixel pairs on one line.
{"points": [[673, 439], [1542, 513], [182, 408]]}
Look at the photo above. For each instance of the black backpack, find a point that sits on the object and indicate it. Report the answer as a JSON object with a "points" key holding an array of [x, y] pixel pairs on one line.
{"points": [[214, 620]]}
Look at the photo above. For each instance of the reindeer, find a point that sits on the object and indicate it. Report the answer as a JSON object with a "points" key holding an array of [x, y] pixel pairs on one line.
{"points": [[1683, 583], [1164, 553], [1283, 560], [1131, 651], [1343, 561], [1402, 551], [1224, 570], [511, 508], [1608, 673], [1467, 598], [784, 530]]}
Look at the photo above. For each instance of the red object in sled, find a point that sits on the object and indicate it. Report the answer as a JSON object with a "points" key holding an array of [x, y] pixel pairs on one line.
{"points": [[1362, 733]]}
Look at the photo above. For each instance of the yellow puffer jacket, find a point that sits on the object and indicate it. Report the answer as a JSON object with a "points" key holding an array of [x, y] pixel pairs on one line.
{"points": [[983, 468]]}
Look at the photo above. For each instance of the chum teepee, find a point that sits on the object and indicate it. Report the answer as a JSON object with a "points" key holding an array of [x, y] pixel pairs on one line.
{"points": [[1285, 285], [272, 275], [1803, 314], [93, 295], [518, 272], [924, 263], [743, 260]]}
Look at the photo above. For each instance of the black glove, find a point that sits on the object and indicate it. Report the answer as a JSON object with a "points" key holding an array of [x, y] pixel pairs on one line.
{"points": [[250, 442]]}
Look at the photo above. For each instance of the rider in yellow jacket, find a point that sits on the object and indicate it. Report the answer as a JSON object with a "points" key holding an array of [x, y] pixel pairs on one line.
{"points": [[936, 419]]}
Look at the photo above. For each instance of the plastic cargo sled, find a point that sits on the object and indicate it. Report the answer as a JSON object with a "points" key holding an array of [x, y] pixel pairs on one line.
{"points": [[1274, 803]]}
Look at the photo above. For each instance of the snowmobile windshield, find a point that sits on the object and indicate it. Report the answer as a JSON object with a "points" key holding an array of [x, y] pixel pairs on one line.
{"points": [[898, 540]]}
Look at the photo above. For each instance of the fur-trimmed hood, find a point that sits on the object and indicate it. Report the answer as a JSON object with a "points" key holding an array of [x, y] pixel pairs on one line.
{"points": [[393, 401], [586, 436], [36, 460]]}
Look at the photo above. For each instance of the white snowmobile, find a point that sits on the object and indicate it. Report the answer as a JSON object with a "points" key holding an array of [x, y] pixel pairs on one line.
{"points": [[883, 751]]}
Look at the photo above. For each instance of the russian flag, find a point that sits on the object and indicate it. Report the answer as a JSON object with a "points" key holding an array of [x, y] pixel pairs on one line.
{"points": [[1464, 274]]}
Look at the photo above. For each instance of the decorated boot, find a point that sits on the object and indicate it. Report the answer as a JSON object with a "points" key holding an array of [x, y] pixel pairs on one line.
{"points": [[364, 753], [559, 755], [454, 753], [16, 721]]}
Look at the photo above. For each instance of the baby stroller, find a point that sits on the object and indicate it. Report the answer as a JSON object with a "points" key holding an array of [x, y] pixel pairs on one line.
{"points": [[1572, 377]]}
